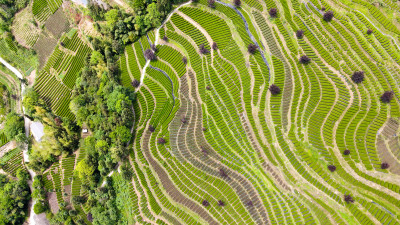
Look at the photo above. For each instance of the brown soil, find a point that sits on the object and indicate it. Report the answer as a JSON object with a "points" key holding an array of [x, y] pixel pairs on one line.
{"points": [[52, 197], [57, 23], [67, 189], [31, 78], [44, 47]]}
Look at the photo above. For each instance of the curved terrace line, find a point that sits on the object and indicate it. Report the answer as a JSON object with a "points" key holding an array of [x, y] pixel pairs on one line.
{"points": [[248, 32], [157, 38]]}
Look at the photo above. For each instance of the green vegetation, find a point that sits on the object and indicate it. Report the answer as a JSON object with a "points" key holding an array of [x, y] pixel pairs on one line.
{"points": [[9, 8], [61, 136], [234, 112], [14, 127], [5, 100], [14, 198], [39, 195], [123, 26]]}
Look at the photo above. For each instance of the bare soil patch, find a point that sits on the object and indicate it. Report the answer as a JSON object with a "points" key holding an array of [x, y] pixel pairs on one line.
{"points": [[67, 190], [44, 47], [31, 78], [52, 197], [57, 23]]}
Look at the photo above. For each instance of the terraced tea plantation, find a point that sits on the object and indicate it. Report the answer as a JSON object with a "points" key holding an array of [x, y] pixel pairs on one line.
{"points": [[271, 112], [229, 147]]}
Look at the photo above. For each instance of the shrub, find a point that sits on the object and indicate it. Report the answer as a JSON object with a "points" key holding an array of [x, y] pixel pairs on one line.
{"points": [[300, 34], [328, 16], [152, 129], [73, 212], [184, 60], [369, 31], [214, 46], [348, 199], [384, 165], [126, 171], [40, 207], [183, 120], [149, 54], [323, 8], [304, 59], [78, 200], [204, 150], [205, 203], [161, 141], [221, 203], [211, 3], [208, 87], [273, 12], [222, 173], [387, 96], [237, 3], [154, 48], [252, 48], [203, 49], [332, 168], [358, 77], [274, 89], [204, 129], [346, 152], [135, 83], [165, 38]]}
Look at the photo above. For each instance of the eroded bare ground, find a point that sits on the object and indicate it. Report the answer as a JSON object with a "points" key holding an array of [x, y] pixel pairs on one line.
{"points": [[170, 187], [57, 23], [189, 144], [53, 203], [388, 145]]}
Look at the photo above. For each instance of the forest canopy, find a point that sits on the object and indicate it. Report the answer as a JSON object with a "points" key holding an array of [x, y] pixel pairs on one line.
{"points": [[128, 27]]}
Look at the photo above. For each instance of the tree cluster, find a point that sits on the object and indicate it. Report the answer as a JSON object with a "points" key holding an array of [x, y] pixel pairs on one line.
{"points": [[252, 48], [135, 83], [106, 107], [127, 27], [8, 10], [39, 194], [385, 165], [203, 49], [331, 168], [14, 127], [387, 96], [304, 59], [328, 16], [358, 77], [61, 135], [348, 199], [103, 205], [214, 46], [14, 198], [299, 34], [273, 12], [274, 89], [66, 215], [237, 3], [149, 54]]}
